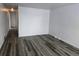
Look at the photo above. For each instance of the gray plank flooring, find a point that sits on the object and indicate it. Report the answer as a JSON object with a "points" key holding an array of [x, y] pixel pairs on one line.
{"points": [[39, 45]]}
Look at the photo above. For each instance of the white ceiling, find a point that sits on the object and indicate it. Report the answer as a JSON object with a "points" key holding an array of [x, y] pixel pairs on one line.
{"points": [[40, 5], [44, 5]]}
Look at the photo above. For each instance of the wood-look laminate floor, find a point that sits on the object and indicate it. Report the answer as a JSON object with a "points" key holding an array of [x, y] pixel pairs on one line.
{"points": [[40, 45]]}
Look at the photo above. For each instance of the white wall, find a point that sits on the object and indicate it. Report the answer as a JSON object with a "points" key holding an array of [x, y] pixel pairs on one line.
{"points": [[4, 26], [64, 24], [33, 21], [14, 19]]}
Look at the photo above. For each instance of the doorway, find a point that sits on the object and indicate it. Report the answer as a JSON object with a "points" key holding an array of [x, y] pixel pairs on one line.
{"points": [[13, 20]]}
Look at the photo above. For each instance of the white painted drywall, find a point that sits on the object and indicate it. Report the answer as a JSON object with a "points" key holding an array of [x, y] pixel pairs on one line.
{"points": [[9, 20], [64, 24], [14, 20], [33, 21], [4, 25]]}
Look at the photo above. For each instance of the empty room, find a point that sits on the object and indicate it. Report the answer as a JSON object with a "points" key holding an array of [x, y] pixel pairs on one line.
{"points": [[39, 29]]}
